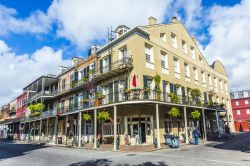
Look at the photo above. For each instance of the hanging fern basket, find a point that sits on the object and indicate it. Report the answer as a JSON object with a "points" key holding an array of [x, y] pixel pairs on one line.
{"points": [[195, 115], [86, 116]]}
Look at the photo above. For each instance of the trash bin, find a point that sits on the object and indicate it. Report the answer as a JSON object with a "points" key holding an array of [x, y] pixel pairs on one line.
{"points": [[168, 140], [175, 142]]}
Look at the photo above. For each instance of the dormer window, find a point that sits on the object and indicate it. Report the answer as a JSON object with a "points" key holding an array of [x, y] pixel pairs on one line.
{"points": [[122, 29]]}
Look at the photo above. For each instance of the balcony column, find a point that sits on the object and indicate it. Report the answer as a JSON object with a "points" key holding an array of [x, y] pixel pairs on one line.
{"points": [[66, 129], [47, 130], [185, 121], [157, 126], [40, 131], [217, 122], [55, 130], [115, 129], [204, 125], [80, 129], [29, 131], [34, 133], [95, 129]]}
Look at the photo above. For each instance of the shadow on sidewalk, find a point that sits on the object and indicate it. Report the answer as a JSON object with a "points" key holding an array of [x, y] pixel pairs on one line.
{"points": [[10, 149], [107, 162], [239, 142]]}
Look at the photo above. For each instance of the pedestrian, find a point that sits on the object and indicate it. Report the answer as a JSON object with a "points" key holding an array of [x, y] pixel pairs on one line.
{"points": [[196, 134], [126, 138], [227, 131]]}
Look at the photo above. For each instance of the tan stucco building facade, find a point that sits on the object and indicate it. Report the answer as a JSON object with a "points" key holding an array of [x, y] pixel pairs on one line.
{"points": [[119, 78]]}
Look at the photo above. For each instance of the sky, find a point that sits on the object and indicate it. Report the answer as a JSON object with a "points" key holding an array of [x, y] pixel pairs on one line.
{"points": [[36, 37]]}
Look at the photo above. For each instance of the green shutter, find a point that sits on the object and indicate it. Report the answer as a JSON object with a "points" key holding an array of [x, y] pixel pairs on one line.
{"points": [[101, 66]]}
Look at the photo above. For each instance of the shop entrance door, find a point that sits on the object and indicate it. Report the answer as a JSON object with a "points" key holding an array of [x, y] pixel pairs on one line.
{"points": [[139, 128]]}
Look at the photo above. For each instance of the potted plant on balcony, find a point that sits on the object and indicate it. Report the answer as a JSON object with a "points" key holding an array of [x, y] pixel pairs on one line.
{"points": [[195, 95], [86, 116], [36, 109], [209, 103], [174, 98], [157, 86], [98, 100], [85, 102], [91, 71], [86, 79]]}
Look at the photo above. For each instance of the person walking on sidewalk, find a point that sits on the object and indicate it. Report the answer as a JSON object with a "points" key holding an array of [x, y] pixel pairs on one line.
{"points": [[196, 134]]}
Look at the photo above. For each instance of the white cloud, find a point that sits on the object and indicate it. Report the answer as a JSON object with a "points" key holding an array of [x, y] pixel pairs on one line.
{"points": [[229, 32], [37, 22], [17, 71], [81, 21], [190, 12]]}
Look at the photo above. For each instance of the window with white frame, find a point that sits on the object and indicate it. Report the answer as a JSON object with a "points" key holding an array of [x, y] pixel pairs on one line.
{"points": [[225, 85], [237, 103], [210, 80], [215, 84], [164, 60], [247, 111], [123, 53], [246, 102], [200, 59], [195, 74], [184, 46], [105, 64], [221, 86], [203, 77], [163, 37], [164, 63], [176, 65], [236, 95], [173, 40], [149, 57], [187, 72], [148, 54], [192, 52], [245, 94], [238, 112]]}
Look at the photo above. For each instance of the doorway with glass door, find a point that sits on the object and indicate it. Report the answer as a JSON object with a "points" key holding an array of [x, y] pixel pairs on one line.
{"points": [[139, 129]]}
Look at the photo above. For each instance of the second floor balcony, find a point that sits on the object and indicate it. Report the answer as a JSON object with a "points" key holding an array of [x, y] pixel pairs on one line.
{"points": [[108, 70], [134, 95]]}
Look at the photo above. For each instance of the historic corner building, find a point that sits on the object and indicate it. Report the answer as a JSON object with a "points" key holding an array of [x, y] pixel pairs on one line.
{"points": [[241, 109], [119, 79]]}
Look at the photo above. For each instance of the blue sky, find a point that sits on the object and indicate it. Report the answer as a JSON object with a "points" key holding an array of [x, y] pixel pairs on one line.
{"points": [[29, 42], [37, 36]]}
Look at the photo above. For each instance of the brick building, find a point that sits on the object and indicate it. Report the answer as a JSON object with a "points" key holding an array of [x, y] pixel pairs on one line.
{"points": [[241, 109]]}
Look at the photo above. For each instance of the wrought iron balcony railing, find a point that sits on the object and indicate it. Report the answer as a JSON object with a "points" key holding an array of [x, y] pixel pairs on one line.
{"points": [[136, 95], [125, 62]]}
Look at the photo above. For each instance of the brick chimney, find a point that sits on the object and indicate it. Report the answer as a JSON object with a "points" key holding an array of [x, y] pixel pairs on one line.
{"points": [[152, 21]]}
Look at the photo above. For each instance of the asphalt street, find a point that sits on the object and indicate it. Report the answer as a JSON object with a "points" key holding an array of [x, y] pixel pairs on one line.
{"points": [[235, 151]]}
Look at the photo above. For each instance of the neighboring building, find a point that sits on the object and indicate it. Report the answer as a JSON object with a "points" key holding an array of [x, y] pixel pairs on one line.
{"points": [[4, 116], [119, 79], [20, 106], [241, 109], [12, 111]]}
